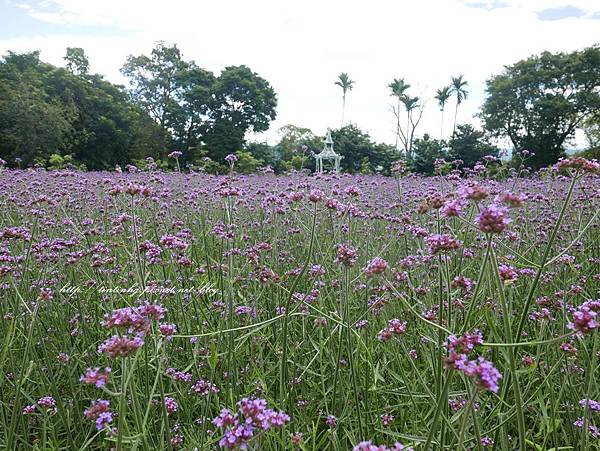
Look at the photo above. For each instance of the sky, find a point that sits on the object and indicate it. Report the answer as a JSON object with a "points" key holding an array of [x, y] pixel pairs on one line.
{"points": [[301, 47]]}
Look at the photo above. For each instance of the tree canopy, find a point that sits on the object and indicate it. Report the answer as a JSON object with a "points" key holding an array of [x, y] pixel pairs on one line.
{"points": [[46, 110], [172, 104], [196, 109], [356, 146], [539, 102]]}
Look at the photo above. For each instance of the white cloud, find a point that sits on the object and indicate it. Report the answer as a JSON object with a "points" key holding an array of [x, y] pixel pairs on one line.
{"points": [[301, 47]]}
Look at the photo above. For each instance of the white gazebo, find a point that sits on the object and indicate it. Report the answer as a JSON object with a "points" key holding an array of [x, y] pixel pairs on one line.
{"points": [[328, 154]]}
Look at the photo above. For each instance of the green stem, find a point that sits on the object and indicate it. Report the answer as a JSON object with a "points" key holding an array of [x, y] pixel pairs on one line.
{"points": [[349, 349], [477, 285], [283, 367], [465, 416], [545, 256], [511, 353]]}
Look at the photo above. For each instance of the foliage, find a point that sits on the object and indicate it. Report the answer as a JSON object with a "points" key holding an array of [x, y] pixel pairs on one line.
{"points": [[355, 145], [47, 110], [458, 88], [242, 101], [413, 107], [246, 163], [77, 61], [592, 133], [426, 151], [470, 146], [346, 84], [269, 155], [539, 102], [194, 108]]}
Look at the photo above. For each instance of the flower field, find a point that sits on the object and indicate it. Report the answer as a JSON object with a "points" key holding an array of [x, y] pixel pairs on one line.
{"points": [[150, 310]]}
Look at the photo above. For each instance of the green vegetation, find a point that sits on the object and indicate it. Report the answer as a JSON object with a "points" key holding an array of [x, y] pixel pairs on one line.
{"points": [[172, 104]]}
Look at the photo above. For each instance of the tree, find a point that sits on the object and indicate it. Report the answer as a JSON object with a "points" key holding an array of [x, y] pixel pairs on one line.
{"points": [[247, 163], [154, 81], [346, 84], [296, 143], [241, 101], [398, 88], [268, 155], [442, 96], [106, 120], [591, 130], [47, 110], [190, 115], [355, 146], [77, 62], [196, 110], [458, 89], [32, 126], [539, 103], [293, 138], [469, 145], [414, 112], [426, 152]]}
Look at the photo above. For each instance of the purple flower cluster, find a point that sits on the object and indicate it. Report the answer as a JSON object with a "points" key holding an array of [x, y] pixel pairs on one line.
{"points": [[508, 274], [440, 243], [594, 406], [127, 318], [578, 164], [473, 191], [452, 208], [96, 377], [463, 282], [46, 403], [231, 158], [203, 388], [375, 266], [592, 429], [484, 373], [493, 219], [252, 415], [179, 375], [346, 255], [511, 199], [170, 405], [316, 195], [117, 346], [100, 413], [584, 319], [394, 327]]}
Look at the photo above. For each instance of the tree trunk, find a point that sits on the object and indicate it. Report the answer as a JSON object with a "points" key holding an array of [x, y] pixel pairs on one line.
{"points": [[406, 149], [442, 126], [398, 125], [455, 115]]}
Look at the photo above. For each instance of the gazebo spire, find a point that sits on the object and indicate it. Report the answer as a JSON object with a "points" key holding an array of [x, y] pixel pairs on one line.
{"points": [[328, 154]]}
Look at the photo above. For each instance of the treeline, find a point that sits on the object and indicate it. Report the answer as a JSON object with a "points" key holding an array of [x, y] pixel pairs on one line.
{"points": [[48, 112], [174, 114]]}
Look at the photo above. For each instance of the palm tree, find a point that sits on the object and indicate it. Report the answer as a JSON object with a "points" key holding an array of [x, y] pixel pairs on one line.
{"points": [[346, 84], [398, 88], [410, 103], [458, 88], [442, 96]]}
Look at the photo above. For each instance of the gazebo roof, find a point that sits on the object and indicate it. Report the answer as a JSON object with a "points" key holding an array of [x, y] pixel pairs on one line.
{"points": [[328, 152]]}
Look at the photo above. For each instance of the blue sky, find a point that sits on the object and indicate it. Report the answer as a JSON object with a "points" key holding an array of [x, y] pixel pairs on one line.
{"points": [[301, 46]]}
